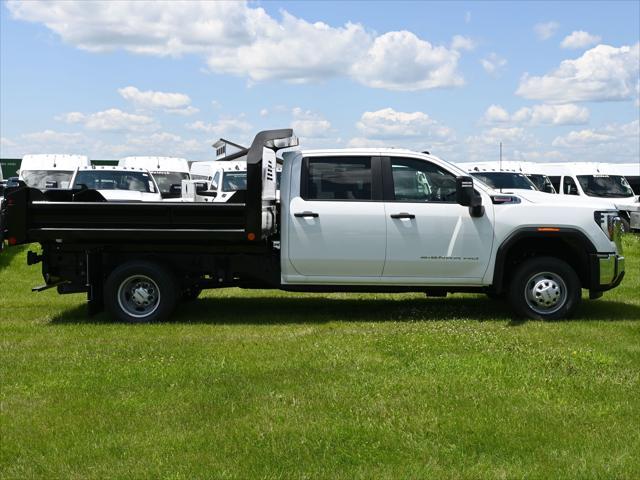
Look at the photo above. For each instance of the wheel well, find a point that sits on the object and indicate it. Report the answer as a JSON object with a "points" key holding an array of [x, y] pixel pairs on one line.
{"points": [[569, 249]]}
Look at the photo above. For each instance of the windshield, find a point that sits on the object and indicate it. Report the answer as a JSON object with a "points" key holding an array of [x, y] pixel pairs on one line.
{"points": [[166, 179], [115, 180], [608, 186], [44, 179], [233, 181], [505, 180], [541, 182]]}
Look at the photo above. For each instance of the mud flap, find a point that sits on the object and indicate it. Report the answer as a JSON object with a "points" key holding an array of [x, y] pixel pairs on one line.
{"points": [[95, 283]]}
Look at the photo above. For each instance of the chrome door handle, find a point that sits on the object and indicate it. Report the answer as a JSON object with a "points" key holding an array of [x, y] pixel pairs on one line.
{"points": [[403, 215], [306, 214]]}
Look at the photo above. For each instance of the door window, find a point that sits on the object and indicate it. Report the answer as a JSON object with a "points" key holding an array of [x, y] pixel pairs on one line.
{"points": [[420, 181], [340, 179], [569, 186]]}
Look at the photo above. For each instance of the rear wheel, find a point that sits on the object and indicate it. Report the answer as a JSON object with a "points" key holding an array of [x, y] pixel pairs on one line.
{"points": [[139, 292], [545, 288]]}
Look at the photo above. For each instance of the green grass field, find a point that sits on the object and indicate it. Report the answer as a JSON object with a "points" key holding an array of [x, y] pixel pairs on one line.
{"points": [[262, 384]]}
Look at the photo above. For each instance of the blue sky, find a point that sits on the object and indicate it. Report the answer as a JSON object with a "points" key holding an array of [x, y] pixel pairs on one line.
{"points": [[553, 81]]}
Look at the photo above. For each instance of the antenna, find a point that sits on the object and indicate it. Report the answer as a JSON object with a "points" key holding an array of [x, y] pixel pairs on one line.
{"points": [[500, 162]]}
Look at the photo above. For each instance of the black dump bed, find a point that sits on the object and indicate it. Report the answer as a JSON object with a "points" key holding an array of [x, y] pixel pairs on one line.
{"points": [[82, 216]]}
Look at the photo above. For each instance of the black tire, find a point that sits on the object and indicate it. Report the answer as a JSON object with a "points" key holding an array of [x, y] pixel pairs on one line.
{"points": [[496, 296], [191, 294], [545, 288], [626, 227], [140, 292]]}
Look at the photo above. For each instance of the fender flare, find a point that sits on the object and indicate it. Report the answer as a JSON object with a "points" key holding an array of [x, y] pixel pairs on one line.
{"points": [[574, 236]]}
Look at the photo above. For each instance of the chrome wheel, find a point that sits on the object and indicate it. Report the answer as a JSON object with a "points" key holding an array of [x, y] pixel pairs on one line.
{"points": [[139, 296], [545, 293]]}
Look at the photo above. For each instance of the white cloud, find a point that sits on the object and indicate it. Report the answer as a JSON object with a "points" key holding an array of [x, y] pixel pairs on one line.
{"points": [[50, 140], [264, 112], [152, 99], [496, 114], [462, 43], [580, 39], [493, 63], [235, 38], [408, 129], [223, 127], [545, 31], [604, 73], [567, 114], [619, 135], [178, 103], [5, 142], [493, 136], [402, 61], [112, 119], [363, 142], [308, 124], [71, 117], [186, 111], [164, 143]]}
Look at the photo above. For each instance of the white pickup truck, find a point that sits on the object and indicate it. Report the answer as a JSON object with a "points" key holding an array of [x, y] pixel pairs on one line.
{"points": [[349, 220]]}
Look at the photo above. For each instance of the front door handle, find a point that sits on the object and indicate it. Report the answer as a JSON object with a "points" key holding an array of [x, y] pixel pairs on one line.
{"points": [[403, 215], [306, 214]]}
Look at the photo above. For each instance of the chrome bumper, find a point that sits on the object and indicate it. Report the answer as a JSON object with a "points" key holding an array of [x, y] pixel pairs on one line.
{"points": [[607, 271]]}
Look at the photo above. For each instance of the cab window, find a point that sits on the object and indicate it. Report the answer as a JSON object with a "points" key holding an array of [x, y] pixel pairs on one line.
{"points": [[421, 181], [337, 178], [569, 186]]}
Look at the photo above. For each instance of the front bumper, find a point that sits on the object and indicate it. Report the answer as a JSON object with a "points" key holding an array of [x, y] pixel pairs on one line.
{"points": [[607, 271]]}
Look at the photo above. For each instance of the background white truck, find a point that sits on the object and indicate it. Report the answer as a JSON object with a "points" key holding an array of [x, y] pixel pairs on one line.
{"points": [[222, 180], [600, 184], [373, 220], [168, 172], [118, 183], [47, 171]]}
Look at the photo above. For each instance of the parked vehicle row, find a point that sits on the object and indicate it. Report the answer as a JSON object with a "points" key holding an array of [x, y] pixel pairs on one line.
{"points": [[370, 220], [597, 183]]}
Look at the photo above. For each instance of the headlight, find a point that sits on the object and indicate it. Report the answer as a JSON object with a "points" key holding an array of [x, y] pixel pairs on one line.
{"points": [[607, 220]]}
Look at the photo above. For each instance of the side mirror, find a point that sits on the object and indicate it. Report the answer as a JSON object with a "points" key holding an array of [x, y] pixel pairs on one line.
{"points": [[51, 184], [201, 187], [175, 188], [468, 197]]}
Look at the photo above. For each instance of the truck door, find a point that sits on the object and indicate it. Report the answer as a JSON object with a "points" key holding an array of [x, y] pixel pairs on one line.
{"points": [[336, 222], [429, 235]]}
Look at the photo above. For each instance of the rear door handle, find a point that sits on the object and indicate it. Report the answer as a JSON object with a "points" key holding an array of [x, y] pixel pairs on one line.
{"points": [[403, 215], [306, 214]]}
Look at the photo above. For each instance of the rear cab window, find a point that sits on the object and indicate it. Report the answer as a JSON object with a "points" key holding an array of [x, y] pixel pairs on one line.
{"points": [[337, 178]]}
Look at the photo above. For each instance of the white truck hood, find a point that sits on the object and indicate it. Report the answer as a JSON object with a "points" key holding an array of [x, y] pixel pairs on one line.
{"points": [[566, 200], [129, 196]]}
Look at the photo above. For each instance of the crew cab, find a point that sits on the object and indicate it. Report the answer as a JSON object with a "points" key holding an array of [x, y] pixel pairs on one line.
{"points": [[372, 220]]}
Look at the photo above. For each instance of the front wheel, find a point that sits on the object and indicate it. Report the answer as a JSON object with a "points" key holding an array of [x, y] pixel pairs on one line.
{"points": [[140, 292], [545, 288]]}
